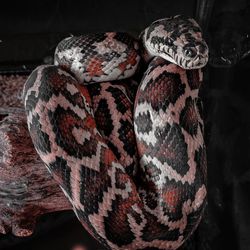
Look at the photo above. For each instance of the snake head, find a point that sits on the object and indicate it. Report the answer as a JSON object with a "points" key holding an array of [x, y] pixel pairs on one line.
{"points": [[177, 39]]}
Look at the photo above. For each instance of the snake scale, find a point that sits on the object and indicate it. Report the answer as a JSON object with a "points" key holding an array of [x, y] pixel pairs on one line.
{"points": [[133, 169]]}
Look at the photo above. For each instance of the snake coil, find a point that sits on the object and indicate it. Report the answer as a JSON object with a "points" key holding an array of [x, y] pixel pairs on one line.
{"points": [[133, 170]]}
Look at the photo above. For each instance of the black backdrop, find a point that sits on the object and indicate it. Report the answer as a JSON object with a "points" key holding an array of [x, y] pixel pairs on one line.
{"points": [[68, 16], [29, 32]]}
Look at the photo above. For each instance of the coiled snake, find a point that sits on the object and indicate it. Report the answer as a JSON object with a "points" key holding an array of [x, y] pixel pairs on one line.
{"points": [[132, 187]]}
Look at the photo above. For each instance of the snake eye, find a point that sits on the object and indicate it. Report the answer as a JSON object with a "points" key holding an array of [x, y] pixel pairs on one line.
{"points": [[168, 41], [190, 52]]}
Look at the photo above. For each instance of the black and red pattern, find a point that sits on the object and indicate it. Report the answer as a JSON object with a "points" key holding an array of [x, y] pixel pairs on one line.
{"points": [[164, 89], [113, 113], [88, 137], [167, 136], [98, 57]]}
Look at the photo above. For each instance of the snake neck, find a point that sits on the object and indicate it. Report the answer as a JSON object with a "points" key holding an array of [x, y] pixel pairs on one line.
{"points": [[146, 55]]}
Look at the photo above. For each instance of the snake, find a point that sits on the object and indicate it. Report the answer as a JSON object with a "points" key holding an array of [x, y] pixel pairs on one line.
{"points": [[134, 169]]}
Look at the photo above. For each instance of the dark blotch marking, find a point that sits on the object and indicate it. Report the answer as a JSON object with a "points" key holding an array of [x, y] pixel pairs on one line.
{"points": [[165, 89], [189, 117], [126, 135], [114, 149], [172, 206], [103, 118], [122, 104], [31, 102], [152, 172], [137, 217], [40, 139], [93, 185], [154, 230], [131, 168], [171, 148], [116, 224], [174, 195], [201, 161], [192, 220], [144, 123], [61, 170], [94, 89], [193, 79], [53, 83], [157, 40], [151, 200], [199, 105], [63, 122]]}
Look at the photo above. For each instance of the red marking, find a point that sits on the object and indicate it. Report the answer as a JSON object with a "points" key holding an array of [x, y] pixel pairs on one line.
{"points": [[90, 122], [95, 67], [122, 66], [132, 59], [70, 120], [57, 81], [171, 197], [109, 157], [84, 91]]}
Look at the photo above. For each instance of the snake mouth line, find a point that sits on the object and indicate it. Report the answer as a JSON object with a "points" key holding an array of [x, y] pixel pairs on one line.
{"points": [[191, 64]]}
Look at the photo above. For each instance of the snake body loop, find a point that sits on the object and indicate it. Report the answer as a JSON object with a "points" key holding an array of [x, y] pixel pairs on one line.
{"points": [[98, 57]]}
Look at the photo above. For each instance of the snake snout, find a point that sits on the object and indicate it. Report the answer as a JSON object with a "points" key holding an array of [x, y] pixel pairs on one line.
{"points": [[194, 56], [202, 52]]}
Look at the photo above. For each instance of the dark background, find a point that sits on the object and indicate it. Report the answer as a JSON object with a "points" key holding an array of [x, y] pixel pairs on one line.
{"points": [[29, 32]]}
